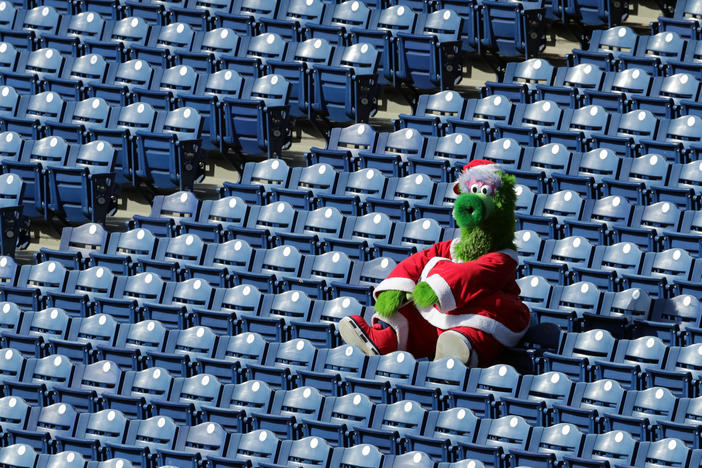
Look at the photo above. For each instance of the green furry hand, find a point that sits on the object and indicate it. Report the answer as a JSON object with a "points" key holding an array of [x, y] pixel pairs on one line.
{"points": [[389, 301], [423, 296]]}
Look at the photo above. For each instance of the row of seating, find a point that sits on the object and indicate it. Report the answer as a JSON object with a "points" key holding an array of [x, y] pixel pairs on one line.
{"points": [[684, 20], [128, 297], [620, 47], [615, 266], [549, 398], [139, 34], [440, 436], [588, 127], [622, 90], [627, 314], [161, 81]]}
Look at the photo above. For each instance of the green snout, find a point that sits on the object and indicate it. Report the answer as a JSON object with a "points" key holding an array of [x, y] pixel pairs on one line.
{"points": [[472, 209]]}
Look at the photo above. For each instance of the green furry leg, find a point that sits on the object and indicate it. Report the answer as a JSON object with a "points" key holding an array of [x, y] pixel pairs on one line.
{"points": [[423, 296], [389, 301]]}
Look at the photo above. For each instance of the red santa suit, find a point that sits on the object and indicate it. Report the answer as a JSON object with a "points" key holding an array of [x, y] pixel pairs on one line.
{"points": [[478, 298]]}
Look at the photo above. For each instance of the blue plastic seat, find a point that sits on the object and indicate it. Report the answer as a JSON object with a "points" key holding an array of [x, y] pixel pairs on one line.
{"points": [[561, 255], [77, 244], [429, 57], [258, 122], [123, 250], [496, 437], [513, 30], [641, 411], [362, 455], [92, 332], [17, 412], [173, 156], [582, 124], [297, 69], [609, 447], [290, 409], [258, 446], [357, 187], [433, 111], [85, 188], [589, 404], [346, 90], [215, 217], [484, 387], [530, 120], [250, 396], [632, 360], [433, 381], [657, 50], [551, 445], [522, 80], [607, 45], [579, 352], [443, 431], [491, 109], [609, 262], [19, 455], [202, 441], [393, 368], [536, 397], [393, 151], [536, 291], [143, 436], [100, 376], [173, 255], [167, 211], [35, 279], [569, 83], [312, 450], [340, 19], [391, 423], [12, 364], [344, 145], [139, 388], [293, 17], [552, 210], [659, 270], [54, 419]]}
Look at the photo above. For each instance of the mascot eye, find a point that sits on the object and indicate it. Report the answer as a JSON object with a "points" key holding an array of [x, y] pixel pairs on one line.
{"points": [[474, 188], [485, 190]]}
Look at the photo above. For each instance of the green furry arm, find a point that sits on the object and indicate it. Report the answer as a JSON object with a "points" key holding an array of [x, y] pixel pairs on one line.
{"points": [[423, 296], [389, 301]]}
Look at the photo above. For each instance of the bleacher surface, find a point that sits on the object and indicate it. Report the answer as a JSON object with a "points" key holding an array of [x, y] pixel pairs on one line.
{"points": [[193, 193]]}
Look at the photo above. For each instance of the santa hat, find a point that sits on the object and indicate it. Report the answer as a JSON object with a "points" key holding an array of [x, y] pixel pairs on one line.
{"points": [[478, 170]]}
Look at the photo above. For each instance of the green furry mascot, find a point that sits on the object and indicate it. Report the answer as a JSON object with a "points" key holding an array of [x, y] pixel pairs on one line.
{"points": [[458, 298]]}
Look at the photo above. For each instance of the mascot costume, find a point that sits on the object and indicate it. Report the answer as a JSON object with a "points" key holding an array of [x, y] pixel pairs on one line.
{"points": [[458, 298]]}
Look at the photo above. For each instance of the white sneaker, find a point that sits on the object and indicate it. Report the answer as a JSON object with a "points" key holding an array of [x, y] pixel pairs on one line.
{"points": [[453, 344], [352, 334]]}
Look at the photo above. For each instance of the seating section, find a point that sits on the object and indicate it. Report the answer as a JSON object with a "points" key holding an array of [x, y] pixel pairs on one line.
{"points": [[204, 334]]}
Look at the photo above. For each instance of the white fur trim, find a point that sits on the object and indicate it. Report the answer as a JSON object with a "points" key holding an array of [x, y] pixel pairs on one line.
{"points": [[443, 292], [489, 325], [399, 323], [485, 173], [394, 284], [430, 265]]}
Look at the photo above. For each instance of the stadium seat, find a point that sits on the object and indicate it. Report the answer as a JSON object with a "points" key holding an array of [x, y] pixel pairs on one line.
{"points": [[258, 121], [346, 90], [429, 57]]}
